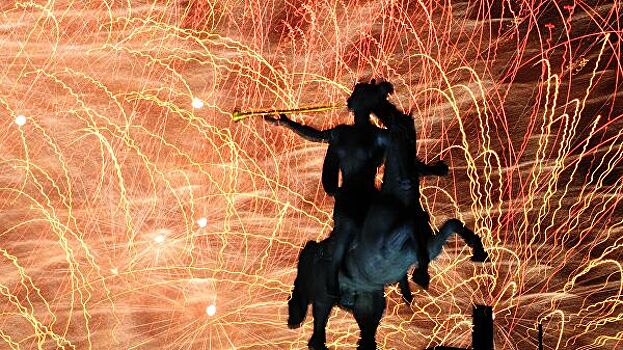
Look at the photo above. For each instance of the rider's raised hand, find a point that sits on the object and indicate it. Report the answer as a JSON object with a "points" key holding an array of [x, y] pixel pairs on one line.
{"points": [[269, 118]]}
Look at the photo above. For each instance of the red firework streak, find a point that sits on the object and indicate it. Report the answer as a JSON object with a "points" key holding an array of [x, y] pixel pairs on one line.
{"points": [[137, 215]]}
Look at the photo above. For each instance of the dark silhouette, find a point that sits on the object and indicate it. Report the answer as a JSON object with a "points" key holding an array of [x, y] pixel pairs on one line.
{"points": [[356, 151], [482, 331], [386, 246], [401, 180], [540, 336]]}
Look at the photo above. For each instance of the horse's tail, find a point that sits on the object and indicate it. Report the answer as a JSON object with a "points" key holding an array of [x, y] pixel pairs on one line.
{"points": [[297, 305]]}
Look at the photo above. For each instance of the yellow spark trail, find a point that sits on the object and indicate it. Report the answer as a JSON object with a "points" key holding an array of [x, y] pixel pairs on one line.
{"points": [[141, 209]]}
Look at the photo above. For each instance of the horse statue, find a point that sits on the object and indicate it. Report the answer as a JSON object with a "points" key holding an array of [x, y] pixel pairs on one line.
{"points": [[386, 247]]}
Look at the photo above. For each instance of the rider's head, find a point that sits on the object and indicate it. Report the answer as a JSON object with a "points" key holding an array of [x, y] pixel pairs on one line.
{"points": [[367, 96]]}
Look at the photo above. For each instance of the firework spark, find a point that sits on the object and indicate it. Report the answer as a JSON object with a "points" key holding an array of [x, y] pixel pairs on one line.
{"points": [[137, 215]]}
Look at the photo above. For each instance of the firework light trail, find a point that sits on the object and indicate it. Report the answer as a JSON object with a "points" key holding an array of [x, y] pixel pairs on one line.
{"points": [[135, 214]]}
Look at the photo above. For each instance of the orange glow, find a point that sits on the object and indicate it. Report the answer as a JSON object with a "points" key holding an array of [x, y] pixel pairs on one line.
{"points": [[135, 214]]}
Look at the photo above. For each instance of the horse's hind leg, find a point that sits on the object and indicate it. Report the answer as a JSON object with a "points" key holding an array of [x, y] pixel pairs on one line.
{"points": [[368, 311], [321, 312], [469, 237]]}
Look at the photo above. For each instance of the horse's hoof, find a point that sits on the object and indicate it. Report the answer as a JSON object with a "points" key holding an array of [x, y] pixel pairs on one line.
{"points": [[480, 255], [311, 347], [317, 346], [366, 346]]}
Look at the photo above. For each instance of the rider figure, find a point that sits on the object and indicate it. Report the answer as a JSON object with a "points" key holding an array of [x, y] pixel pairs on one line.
{"points": [[356, 151]]}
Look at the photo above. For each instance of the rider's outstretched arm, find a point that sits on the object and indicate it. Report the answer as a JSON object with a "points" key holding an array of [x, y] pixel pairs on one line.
{"points": [[306, 132], [439, 168]]}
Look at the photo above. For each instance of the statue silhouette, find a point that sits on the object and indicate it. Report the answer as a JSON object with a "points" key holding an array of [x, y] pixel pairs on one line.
{"points": [[356, 151], [401, 179], [387, 244]]}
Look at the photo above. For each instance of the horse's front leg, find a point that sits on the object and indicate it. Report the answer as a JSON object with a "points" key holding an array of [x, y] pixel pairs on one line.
{"points": [[321, 311], [451, 227], [368, 311]]}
